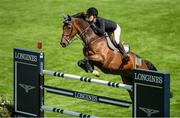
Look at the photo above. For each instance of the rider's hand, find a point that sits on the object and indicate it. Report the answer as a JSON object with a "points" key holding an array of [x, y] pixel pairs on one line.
{"points": [[105, 34]]}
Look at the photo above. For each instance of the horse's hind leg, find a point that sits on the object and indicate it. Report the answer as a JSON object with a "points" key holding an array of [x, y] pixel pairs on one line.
{"points": [[125, 81]]}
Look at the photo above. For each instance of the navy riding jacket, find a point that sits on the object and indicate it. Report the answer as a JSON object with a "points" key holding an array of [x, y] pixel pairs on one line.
{"points": [[101, 25]]}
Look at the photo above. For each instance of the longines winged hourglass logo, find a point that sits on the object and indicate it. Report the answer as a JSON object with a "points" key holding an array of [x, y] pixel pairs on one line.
{"points": [[27, 88], [149, 112]]}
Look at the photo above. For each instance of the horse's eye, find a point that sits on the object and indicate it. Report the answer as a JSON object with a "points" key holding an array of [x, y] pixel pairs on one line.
{"points": [[69, 27]]}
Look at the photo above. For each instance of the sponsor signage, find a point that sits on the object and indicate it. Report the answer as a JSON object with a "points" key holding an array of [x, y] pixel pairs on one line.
{"points": [[86, 96], [151, 89], [26, 90], [151, 94]]}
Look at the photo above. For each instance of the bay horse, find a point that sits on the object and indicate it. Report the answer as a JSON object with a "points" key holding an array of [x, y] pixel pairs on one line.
{"points": [[97, 53]]}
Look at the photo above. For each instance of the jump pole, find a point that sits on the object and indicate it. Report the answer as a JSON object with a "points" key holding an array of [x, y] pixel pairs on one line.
{"points": [[67, 112], [87, 79]]}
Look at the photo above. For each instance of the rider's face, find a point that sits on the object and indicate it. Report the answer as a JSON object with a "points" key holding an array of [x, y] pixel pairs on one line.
{"points": [[91, 18]]}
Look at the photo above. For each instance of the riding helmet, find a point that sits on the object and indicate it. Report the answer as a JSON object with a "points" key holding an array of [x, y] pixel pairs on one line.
{"points": [[92, 11]]}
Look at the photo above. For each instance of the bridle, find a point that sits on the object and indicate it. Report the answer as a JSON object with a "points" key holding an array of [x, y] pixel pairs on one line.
{"points": [[78, 36], [68, 35]]}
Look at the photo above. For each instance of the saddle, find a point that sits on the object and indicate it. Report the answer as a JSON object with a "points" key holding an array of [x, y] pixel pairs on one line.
{"points": [[112, 46]]}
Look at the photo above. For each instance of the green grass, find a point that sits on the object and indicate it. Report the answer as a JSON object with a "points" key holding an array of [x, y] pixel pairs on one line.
{"points": [[150, 27]]}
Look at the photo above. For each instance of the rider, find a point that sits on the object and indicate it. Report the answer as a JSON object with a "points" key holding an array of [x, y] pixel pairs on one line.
{"points": [[103, 26]]}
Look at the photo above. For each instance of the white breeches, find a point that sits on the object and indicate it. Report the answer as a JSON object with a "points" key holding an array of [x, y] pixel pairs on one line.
{"points": [[117, 34], [117, 37]]}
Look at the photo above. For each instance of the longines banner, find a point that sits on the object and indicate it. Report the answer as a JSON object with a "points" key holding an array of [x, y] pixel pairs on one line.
{"points": [[26, 88], [152, 92]]}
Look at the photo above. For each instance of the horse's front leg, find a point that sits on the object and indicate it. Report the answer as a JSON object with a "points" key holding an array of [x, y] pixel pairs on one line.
{"points": [[85, 65], [88, 64], [95, 58]]}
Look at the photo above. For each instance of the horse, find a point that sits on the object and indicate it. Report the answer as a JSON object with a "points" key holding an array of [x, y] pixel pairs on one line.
{"points": [[97, 52]]}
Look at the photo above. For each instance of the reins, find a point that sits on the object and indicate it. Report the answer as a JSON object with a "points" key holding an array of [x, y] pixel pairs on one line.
{"points": [[81, 35]]}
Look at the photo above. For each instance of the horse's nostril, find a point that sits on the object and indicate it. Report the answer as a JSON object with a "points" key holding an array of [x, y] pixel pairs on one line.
{"points": [[63, 44]]}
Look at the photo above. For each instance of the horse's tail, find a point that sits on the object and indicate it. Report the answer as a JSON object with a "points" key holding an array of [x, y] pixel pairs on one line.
{"points": [[150, 65]]}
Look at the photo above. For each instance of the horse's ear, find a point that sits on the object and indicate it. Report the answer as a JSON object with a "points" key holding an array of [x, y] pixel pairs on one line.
{"points": [[69, 17], [65, 18]]}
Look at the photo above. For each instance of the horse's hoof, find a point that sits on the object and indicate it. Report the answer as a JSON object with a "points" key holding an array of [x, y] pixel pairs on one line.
{"points": [[80, 63], [96, 73]]}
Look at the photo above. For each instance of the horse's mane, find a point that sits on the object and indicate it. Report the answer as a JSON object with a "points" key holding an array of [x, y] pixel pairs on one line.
{"points": [[80, 15]]}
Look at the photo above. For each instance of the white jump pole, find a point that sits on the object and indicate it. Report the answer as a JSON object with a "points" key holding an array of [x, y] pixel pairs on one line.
{"points": [[67, 112], [87, 79]]}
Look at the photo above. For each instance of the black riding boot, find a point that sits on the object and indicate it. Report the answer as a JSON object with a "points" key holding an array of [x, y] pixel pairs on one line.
{"points": [[123, 52]]}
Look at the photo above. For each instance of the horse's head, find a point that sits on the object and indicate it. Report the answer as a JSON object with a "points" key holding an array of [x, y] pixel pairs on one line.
{"points": [[76, 24], [69, 31]]}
